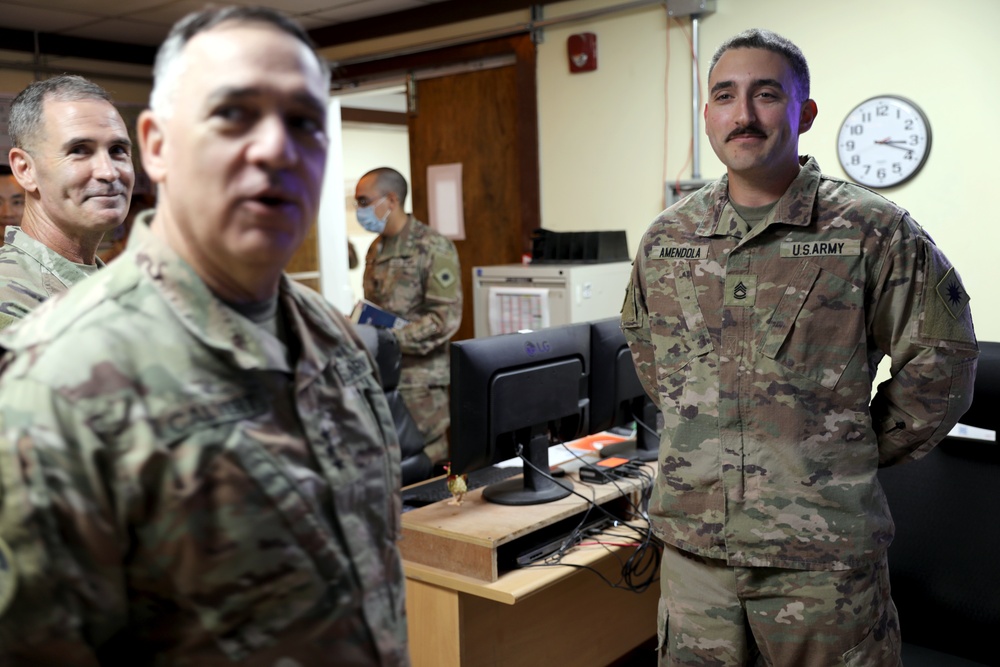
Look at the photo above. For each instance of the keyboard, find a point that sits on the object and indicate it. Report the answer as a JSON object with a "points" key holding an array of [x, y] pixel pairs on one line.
{"points": [[436, 490]]}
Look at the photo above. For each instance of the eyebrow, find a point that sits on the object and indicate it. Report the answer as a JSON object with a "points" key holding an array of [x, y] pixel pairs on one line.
{"points": [[758, 83], [121, 140], [231, 93]]}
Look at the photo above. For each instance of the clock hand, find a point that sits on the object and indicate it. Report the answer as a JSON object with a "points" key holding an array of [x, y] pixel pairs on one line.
{"points": [[892, 144]]}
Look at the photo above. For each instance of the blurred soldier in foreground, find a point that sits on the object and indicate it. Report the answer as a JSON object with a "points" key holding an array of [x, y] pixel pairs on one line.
{"points": [[198, 466], [758, 311], [73, 159]]}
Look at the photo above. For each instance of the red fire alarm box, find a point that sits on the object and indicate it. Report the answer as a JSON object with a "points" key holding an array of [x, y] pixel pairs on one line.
{"points": [[582, 51]]}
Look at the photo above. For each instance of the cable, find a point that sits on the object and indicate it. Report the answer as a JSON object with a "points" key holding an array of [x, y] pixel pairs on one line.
{"points": [[641, 568]]}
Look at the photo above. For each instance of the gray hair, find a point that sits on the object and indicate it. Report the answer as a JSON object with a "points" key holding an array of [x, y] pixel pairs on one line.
{"points": [[388, 180], [167, 69], [757, 38], [26, 118]]}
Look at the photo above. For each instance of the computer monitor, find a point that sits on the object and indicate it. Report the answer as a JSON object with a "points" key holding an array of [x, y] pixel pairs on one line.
{"points": [[986, 395], [520, 391], [616, 395]]}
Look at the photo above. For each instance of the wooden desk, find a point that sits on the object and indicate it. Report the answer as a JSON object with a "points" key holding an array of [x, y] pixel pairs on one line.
{"points": [[534, 616]]}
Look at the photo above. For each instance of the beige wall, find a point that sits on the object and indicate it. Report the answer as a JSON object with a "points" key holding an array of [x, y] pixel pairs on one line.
{"points": [[602, 134], [610, 139]]}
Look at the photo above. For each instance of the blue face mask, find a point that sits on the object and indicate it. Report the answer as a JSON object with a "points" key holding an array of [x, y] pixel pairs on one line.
{"points": [[370, 221]]}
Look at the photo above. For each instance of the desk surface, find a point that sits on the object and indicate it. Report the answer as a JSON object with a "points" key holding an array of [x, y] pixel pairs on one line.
{"points": [[461, 541], [512, 587]]}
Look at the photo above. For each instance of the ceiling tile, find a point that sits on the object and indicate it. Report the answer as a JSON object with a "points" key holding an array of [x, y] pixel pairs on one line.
{"points": [[95, 7], [121, 30], [20, 17], [366, 9]]}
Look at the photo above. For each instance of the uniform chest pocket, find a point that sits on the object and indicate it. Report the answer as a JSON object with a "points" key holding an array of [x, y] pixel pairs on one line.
{"points": [[817, 326], [243, 541], [676, 322], [400, 282]]}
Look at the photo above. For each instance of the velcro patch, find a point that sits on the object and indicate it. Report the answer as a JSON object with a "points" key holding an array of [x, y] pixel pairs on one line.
{"points": [[678, 252], [845, 248], [952, 293], [8, 577], [445, 277], [741, 290]]}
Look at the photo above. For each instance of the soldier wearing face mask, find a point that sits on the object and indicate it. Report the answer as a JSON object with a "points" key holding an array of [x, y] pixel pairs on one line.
{"points": [[412, 271]]}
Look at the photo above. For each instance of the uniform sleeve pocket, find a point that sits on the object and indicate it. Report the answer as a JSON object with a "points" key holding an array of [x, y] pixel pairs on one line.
{"points": [[816, 327]]}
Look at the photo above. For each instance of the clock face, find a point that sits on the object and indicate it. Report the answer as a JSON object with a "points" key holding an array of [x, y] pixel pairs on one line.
{"points": [[884, 141]]}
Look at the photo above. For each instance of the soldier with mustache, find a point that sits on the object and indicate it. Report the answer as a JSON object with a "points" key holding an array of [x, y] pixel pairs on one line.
{"points": [[758, 312], [73, 157]]}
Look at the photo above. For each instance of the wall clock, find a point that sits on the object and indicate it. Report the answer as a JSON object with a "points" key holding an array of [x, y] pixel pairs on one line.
{"points": [[884, 141]]}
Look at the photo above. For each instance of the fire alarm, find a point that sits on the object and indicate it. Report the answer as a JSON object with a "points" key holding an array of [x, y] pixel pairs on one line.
{"points": [[582, 51]]}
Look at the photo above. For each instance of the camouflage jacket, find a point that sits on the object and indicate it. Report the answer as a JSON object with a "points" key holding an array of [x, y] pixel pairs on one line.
{"points": [[174, 492], [31, 272], [760, 348], [415, 275]]}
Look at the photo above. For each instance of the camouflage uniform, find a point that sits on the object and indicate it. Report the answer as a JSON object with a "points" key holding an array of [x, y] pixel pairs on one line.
{"points": [[759, 347], [31, 272], [175, 493], [415, 275]]}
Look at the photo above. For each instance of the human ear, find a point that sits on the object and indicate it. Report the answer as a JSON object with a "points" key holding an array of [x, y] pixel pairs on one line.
{"points": [[23, 168], [152, 145], [807, 115]]}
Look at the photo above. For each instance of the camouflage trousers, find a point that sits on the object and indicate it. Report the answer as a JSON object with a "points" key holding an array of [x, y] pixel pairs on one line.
{"points": [[429, 407], [714, 614]]}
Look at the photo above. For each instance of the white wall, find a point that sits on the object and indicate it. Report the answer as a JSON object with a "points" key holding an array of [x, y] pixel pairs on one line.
{"points": [[366, 147]]}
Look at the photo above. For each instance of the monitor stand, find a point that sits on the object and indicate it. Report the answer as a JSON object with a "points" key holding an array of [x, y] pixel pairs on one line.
{"points": [[646, 446], [535, 487]]}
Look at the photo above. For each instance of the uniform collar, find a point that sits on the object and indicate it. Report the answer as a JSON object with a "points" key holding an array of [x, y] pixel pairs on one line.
{"points": [[799, 197], [201, 312], [66, 271]]}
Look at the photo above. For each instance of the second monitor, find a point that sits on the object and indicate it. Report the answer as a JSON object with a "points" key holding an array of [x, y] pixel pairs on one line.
{"points": [[518, 394]]}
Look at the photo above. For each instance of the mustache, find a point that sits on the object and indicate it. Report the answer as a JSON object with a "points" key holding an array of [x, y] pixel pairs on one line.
{"points": [[746, 131], [111, 190]]}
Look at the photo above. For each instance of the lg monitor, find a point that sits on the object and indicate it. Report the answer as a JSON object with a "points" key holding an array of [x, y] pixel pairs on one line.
{"points": [[517, 394], [616, 396]]}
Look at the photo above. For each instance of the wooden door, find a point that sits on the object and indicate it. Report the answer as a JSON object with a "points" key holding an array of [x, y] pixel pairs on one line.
{"points": [[487, 120]]}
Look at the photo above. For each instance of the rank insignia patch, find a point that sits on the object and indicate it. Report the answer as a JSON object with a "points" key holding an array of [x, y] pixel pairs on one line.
{"points": [[952, 293]]}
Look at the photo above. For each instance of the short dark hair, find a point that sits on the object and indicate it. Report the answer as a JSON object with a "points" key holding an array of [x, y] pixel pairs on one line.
{"points": [[168, 56], [389, 180], [758, 38], [27, 108]]}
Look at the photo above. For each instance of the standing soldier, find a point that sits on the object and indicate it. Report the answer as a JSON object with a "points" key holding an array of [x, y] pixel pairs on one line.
{"points": [[412, 271], [758, 311]]}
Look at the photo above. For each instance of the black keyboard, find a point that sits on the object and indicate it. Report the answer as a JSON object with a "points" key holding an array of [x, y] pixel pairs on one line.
{"points": [[432, 492]]}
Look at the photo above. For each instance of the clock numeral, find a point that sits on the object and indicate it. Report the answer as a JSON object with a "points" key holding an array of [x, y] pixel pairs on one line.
{"points": [[881, 173], [857, 129], [855, 159], [908, 124], [866, 117], [914, 139], [897, 168], [882, 110], [849, 145], [909, 155]]}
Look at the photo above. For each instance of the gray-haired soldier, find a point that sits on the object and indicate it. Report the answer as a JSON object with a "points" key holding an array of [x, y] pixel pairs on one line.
{"points": [[197, 464], [73, 158], [758, 311]]}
